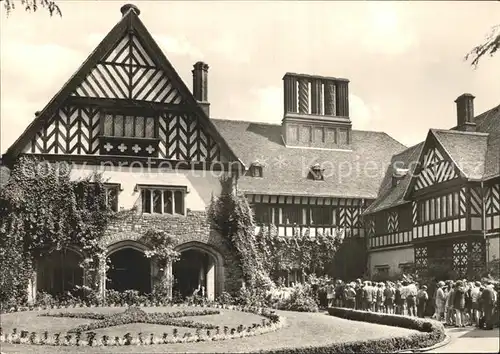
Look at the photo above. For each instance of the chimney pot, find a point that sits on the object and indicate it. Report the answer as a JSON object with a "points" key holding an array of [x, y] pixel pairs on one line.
{"points": [[37, 113], [125, 8], [465, 112]]}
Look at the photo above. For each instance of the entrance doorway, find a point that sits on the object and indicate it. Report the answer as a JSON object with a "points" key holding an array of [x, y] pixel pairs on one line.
{"points": [[129, 270], [194, 271]]}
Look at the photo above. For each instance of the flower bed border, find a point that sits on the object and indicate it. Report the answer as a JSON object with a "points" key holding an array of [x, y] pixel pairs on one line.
{"points": [[272, 322], [431, 333]]}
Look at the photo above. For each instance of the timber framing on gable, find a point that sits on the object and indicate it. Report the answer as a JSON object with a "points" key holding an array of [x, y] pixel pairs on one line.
{"points": [[84, 98], [435, 169]]}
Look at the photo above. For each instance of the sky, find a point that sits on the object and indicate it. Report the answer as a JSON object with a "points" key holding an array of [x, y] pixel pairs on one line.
{"points": [[405, 60]]}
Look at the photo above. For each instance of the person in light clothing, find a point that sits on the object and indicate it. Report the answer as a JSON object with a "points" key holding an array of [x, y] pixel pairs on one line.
{"points": [[380, 298], [367, 296], [330, 293], [411, 299], [404, 294], [474, 294], [440, 300]]}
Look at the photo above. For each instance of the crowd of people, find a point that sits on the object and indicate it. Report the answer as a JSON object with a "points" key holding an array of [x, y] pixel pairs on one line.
{"points": [[456, 303]]}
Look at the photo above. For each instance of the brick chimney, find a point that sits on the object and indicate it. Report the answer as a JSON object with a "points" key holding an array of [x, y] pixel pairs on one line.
{"points": [[316, 111], [125, 8], [465, 113], [200, 85]]}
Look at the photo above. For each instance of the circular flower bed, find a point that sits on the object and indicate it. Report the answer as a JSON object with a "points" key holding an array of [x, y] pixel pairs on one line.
{"points": [[84, 335]]}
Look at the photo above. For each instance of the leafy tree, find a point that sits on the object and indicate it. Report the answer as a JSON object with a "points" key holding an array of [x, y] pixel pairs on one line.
{"points": [[33, 5]]}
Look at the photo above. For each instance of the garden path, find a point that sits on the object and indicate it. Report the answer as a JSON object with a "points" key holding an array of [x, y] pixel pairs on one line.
{"points": [[471, 340]]}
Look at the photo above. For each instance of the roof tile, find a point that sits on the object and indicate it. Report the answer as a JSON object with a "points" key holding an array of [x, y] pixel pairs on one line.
{"points": [[354, 173]]}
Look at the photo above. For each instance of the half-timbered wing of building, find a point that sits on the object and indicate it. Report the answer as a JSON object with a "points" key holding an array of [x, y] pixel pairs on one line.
{"points": [[448, 198], [126, 100]]}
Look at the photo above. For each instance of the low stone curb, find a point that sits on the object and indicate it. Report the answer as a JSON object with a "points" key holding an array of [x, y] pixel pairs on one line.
{"points": [[446, 341]]}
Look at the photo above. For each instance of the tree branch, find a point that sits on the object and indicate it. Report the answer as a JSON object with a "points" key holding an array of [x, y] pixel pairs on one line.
{"points": [[489, 47], [33, 5]]}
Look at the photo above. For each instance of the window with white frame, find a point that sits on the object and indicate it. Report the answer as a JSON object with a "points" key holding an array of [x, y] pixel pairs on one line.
{"points": [[163, 200]]}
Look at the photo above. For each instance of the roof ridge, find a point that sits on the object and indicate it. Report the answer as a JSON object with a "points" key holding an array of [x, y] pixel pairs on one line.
{"points": [[276, 124], [449, 131], [244, 121], [408, 149], [497, 107]]}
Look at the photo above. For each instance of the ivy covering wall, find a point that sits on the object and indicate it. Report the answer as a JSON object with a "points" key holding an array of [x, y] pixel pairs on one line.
{"points": [[42, 210], [265, 255]]}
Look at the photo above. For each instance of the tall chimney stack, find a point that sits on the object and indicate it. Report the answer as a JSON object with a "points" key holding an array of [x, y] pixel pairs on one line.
{"points": [[200, 85], [316, 111], [465, 113]]}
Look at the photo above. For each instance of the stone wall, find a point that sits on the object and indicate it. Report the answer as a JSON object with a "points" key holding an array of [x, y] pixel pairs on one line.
{"points": [[194, 227]]}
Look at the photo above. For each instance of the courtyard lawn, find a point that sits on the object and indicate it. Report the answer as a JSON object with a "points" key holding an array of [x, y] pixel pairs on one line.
{"points": [[302, 329]]}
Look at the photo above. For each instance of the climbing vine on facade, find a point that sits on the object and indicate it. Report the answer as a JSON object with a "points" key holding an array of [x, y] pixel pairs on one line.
{"points": [[265, 254], [42, 210], [162, 248], [232, 216]]}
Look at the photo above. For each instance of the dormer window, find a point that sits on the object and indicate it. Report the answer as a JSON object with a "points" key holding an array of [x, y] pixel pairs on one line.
{"points": [[398, 174], [256, 169], [316, 172]]}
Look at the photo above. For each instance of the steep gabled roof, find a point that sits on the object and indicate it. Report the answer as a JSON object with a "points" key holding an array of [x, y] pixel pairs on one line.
{"points": [[390, 195], [354, 173], [489, 122], [129, 22], [492, 159], [476, 154], [466, 149]]}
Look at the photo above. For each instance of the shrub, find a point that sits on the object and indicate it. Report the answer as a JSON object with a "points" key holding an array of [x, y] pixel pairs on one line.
{"points": [[431, 333], [225, 299], [301, 299], [44, 299]]}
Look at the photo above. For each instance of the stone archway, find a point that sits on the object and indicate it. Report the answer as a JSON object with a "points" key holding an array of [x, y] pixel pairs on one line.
{"points": [[200, 265], [59, 272], [129, 268]]}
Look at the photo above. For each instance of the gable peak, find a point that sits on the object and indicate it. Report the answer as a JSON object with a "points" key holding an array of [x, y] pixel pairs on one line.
{"points": [[127, 7]]}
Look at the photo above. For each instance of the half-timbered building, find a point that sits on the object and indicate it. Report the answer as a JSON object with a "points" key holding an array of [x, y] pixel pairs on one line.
{"points": [[439, 203], [127, 114]]}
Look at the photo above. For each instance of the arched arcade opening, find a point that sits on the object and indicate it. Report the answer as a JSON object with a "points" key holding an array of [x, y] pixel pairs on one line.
{"points": [[59, 272], [198, 271], [129, 269]]}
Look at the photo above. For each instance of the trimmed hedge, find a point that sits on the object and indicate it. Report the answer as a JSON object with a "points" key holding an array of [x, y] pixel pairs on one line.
{"points": [[431, 333]]}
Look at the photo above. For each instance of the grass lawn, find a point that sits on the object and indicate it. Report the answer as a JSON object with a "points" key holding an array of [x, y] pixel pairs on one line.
{"points": [[302, 329]]}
